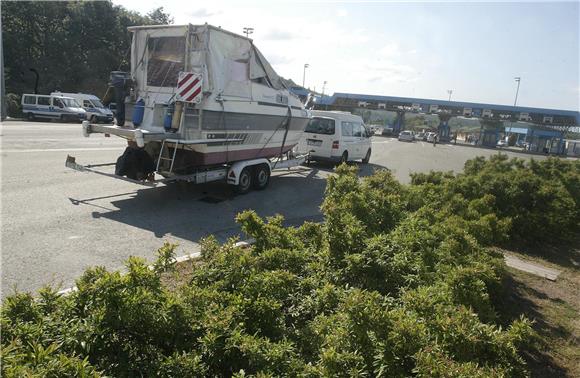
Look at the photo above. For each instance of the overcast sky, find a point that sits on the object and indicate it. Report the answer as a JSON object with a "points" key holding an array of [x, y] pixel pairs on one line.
{"points": [[410, 49]]}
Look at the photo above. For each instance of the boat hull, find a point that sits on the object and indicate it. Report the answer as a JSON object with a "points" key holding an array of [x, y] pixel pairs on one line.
{"points": [[254, 136]]}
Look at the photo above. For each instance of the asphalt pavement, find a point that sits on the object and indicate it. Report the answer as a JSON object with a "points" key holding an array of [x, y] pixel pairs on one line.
{"points": [[57, 222]]}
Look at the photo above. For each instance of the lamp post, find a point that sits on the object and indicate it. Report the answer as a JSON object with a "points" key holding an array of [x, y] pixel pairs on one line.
{"points": [[450, 91], [248, 31], [517, 79], [306, 65]]}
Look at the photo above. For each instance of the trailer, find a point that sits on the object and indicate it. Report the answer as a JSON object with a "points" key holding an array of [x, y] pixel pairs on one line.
{"points": [[244, 175]]}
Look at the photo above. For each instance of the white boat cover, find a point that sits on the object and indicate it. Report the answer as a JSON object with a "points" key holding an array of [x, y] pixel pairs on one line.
{"points": [[227, 62]]}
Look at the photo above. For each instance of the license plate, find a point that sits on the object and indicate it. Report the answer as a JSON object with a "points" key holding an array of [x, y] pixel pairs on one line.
{"points": [[312, 142]]}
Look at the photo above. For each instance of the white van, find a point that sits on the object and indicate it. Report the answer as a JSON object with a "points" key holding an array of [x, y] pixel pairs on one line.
{"points": [[96, 111], [51, 107], [336, 136]]}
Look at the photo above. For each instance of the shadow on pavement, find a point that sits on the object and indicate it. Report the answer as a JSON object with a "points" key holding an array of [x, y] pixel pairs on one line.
{"points": [[191, 211]]}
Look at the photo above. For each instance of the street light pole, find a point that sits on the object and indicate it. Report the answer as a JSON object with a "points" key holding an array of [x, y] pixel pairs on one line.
{"points": [[248, 31], [518, 79], [450, 91], [306, 65]]}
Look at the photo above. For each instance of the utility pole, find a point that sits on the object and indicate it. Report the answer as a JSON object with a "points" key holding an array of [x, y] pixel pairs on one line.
{"points": [[306, 65], [450, 91], [518, 79], [324, 86], [248, 31]]}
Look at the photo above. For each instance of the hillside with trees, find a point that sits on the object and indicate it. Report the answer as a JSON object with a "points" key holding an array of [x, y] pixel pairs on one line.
{"points": [[73, 46]]}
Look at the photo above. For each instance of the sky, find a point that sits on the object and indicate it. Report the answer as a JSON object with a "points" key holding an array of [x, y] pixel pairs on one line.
{"points": [[409, 49]]}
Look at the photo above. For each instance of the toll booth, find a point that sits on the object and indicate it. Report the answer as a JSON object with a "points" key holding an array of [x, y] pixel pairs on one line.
{"points": [[546, 141], [489, 137]]}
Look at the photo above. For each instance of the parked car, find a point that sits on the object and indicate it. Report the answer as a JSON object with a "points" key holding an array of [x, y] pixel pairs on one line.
{"points": [[336, 136], [406, 136], [501, 143], [431, 136], [36, 106], [96, 111], [421, 136]]}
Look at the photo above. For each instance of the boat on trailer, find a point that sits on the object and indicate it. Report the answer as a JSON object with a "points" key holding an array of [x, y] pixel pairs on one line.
{"points": [[201, 97]]}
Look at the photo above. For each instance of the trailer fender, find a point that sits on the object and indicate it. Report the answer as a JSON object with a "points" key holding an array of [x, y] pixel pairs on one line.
{"points": [[236, 168]]}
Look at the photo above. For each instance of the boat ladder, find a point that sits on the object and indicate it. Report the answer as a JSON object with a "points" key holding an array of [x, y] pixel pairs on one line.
{"points": [[171, 159]]}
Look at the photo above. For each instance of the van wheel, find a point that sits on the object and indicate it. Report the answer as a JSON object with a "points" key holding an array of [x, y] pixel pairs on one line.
{"points": [[367, 157], [344, 157], [30, 117], [93, 119], [245, 182], [261, 177]]}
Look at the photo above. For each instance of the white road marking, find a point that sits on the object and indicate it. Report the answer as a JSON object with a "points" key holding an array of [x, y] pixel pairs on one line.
{"points": [[62, 150]]}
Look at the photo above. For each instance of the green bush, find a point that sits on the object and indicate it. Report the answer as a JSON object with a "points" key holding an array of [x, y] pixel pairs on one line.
{"points": [[397, 281]]}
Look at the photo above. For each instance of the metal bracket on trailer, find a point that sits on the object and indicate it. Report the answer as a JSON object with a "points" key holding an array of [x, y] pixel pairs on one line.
{"points": [[72, 164]]}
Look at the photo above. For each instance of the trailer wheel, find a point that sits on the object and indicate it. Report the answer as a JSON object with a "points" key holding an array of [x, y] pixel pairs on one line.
{"points": [[30, 116], [245, 182], [261, 177]]}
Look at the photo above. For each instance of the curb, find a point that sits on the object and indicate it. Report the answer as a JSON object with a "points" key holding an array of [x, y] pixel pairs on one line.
{"points": [[241, 244]]}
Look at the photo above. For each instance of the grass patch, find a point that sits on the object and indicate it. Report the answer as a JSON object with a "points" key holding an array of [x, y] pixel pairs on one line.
{"points": [[555, 309]]}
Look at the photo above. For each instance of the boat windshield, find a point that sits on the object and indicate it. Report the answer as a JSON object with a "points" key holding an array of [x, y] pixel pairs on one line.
{"points": [[166, 58], [320, 126]]}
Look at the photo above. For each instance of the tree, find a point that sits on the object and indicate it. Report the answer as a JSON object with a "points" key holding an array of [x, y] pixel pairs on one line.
{"points": [[73, 45], [160, 17]]}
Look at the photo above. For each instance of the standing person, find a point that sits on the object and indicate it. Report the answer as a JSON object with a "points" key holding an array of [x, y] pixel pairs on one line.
{"points": [[435, 140]]}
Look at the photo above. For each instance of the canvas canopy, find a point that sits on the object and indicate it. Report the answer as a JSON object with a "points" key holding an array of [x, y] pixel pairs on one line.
{"points": [[228, 63]]}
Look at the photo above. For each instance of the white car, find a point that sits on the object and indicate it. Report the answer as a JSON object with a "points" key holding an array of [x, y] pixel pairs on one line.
{"points": [[336, 136], [406, 136], [502, 143], [431, 136]]}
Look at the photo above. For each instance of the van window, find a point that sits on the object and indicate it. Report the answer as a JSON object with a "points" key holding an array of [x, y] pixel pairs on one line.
{"points": [[30, 100], [87, 104], [358, 130], [57, 102], [166, 57], [320, 126], [44, 101], [347, 128]]}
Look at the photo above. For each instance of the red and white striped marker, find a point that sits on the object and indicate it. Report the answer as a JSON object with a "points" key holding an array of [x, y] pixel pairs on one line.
{"points": [[189, 87]]}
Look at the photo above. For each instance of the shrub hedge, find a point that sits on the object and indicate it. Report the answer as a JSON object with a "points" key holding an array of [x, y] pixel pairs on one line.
{"points": [[397, 281]]}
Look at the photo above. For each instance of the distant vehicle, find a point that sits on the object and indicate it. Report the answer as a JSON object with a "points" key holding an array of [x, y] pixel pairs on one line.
{"points": [[406, 136], [502, 143], [431, 136], [387, 131], [96, 111], [336, 136], [36, 106], [421, 136]]}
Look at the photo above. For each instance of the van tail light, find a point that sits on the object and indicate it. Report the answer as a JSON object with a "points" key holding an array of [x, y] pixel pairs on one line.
{"points": [[335, 145]]}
